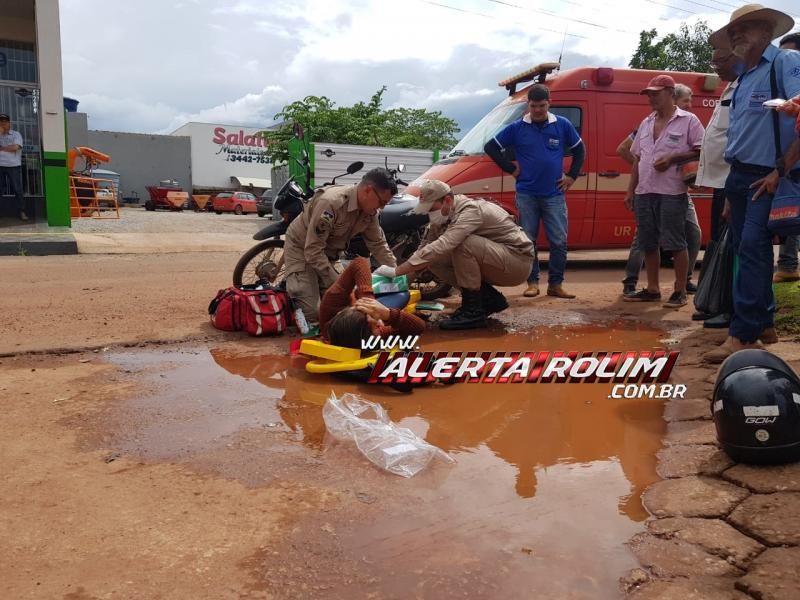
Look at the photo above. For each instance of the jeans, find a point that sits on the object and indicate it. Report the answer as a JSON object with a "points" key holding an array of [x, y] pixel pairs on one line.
{"points": [[693, 240], [552, 212], [787, 259], [14, 177], [753, 300]]}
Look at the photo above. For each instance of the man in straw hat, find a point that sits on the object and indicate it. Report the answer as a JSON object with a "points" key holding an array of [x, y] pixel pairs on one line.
{"points": [[757, 163]]}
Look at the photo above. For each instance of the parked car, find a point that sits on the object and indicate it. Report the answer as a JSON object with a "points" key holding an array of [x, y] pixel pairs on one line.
{"points": [[264, 203], [236, 202]]}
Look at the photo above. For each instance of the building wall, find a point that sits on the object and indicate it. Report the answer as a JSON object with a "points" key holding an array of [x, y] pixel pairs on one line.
{"points": [[220, 152], [77, 130], [332, 160], [144, 159]]}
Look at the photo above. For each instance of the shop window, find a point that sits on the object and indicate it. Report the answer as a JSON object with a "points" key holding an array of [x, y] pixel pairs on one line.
{"points": [[17, 62]]}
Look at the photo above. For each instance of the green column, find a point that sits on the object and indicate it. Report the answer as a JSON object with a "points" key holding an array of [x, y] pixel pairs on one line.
{"points": [[296, 158], [56, 189]]}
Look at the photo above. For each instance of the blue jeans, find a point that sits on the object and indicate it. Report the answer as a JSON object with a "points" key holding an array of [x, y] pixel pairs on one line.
{"points": [[553, 212], [14, 177], [753, 301]]}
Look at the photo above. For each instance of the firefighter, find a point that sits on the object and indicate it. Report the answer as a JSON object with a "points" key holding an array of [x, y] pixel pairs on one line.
{"points": [[314, 240], [471, 244]]}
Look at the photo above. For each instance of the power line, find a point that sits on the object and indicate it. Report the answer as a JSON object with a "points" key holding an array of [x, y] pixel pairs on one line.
{"points": [[479, 14], [726, 4], [668, 6], [695, 3], [568, 19], [557, 16]]}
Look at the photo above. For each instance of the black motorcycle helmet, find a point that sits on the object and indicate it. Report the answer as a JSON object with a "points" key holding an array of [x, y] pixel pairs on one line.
{"points": [[756, 408]]}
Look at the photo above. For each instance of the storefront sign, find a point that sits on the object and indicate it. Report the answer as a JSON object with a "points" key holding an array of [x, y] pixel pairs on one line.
{"points": [[241, 147]]}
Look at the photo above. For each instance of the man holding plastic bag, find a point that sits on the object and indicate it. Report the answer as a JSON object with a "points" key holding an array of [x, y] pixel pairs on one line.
{"points": [[471, 244]]}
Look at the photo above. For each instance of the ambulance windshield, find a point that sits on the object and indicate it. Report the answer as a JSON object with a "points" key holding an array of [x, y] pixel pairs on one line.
{"points": [[487, 127]]}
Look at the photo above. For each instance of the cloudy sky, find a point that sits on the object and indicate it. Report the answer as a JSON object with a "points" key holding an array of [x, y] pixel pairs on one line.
{"points": [[152, 65]]}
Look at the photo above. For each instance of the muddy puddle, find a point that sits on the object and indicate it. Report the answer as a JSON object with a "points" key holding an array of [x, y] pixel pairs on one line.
{"points": [[543, 496]]}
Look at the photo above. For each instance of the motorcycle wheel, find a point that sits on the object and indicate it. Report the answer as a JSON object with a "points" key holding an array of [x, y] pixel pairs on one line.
{"points": [[430, 287], [262, 262], [425, 281]]}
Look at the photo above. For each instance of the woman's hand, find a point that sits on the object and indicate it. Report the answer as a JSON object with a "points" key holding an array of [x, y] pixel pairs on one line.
{"points": [[373, 308]]}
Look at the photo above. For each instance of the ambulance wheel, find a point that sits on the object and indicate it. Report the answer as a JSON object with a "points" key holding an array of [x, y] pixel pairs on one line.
{"points": [[262, 262], [149, 205]]}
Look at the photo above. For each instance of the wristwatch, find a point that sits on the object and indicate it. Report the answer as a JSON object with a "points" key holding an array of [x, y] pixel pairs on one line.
{"points": [[781, 170]]}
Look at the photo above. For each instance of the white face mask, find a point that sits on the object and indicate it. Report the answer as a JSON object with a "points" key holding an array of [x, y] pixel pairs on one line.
{"points": [[437, 218]]}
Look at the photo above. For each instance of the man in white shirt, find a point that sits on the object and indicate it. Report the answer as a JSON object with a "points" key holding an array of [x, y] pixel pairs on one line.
{"points": [[713, 169], [11, 163]]}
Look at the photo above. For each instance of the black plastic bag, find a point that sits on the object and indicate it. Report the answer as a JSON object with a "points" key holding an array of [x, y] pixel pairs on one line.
{"points": [[714, 294]]}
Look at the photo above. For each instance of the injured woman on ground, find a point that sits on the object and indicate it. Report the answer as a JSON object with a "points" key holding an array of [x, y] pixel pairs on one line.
{"points": [[350, 314]]}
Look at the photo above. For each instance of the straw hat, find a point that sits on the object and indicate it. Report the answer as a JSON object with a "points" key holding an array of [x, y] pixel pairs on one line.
{"points": [[781, 22]]}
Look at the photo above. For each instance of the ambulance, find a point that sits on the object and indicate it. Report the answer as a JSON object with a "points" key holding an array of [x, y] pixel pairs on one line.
{"points": [[604, 104]]}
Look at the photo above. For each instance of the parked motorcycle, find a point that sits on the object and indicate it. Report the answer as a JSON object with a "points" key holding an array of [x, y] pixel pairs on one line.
{"points": [[404, 230]]}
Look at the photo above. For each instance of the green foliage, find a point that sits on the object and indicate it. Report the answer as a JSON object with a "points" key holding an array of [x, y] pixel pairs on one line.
{"points": [[363, 123], [686, 50], [787, 317]]}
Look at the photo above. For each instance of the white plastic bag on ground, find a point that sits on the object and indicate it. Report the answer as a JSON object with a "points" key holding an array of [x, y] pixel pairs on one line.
{"points": [[395, 449]]}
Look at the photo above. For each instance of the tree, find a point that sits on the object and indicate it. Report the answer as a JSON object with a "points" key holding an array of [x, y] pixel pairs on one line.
{"points": [[686, 50], [364, 123]]}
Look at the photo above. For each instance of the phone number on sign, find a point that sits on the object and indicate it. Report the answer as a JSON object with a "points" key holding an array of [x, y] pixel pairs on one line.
{"points": [[246, 158]]}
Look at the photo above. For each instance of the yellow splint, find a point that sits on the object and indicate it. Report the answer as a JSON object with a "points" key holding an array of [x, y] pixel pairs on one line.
{"points": [[414, 297], [319, 349], [334, 359]]}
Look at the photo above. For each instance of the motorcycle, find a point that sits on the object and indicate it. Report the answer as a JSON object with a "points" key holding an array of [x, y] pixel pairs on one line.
{"points": [[404, 231]]}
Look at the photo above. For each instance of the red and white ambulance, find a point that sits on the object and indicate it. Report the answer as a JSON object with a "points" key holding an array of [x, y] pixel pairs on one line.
{"points": [[604, 104]]}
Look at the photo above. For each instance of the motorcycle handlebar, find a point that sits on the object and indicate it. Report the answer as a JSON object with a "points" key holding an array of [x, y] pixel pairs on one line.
{"points": [[401, 182]]}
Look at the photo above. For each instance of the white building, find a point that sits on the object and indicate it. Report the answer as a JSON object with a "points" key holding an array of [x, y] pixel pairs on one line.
{"points": [[227, 156]]}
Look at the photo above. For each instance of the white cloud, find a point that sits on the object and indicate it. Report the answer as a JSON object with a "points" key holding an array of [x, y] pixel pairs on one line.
{"points": [[153, 65]]}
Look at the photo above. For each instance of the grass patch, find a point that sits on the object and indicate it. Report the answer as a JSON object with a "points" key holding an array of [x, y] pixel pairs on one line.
{"points": [[787, 302]]}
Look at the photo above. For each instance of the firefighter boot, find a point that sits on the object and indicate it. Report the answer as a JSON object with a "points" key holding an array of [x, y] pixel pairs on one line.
{"points": [[471, 315], [493, 300]]}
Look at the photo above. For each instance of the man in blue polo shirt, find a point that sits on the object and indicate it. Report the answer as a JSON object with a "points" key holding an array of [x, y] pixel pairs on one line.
{"points": [[540, 140], [756, 165]]}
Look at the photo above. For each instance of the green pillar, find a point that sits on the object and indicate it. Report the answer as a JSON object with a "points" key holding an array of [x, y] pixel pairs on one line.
{"points": [[56, 189], [296, 148]]}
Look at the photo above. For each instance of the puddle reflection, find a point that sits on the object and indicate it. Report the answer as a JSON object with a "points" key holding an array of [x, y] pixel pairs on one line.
{"points": [[530, 427]]}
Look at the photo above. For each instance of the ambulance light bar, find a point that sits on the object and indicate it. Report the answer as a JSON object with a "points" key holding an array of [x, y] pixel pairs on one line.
{"points": [[537, 73]]}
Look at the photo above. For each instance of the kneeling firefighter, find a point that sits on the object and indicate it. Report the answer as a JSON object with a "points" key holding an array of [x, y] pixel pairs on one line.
{"points": [[471, 244]]}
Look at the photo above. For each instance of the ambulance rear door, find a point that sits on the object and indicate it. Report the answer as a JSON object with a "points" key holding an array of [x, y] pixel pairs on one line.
{"points": [[618, 115], [579, 199]]}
